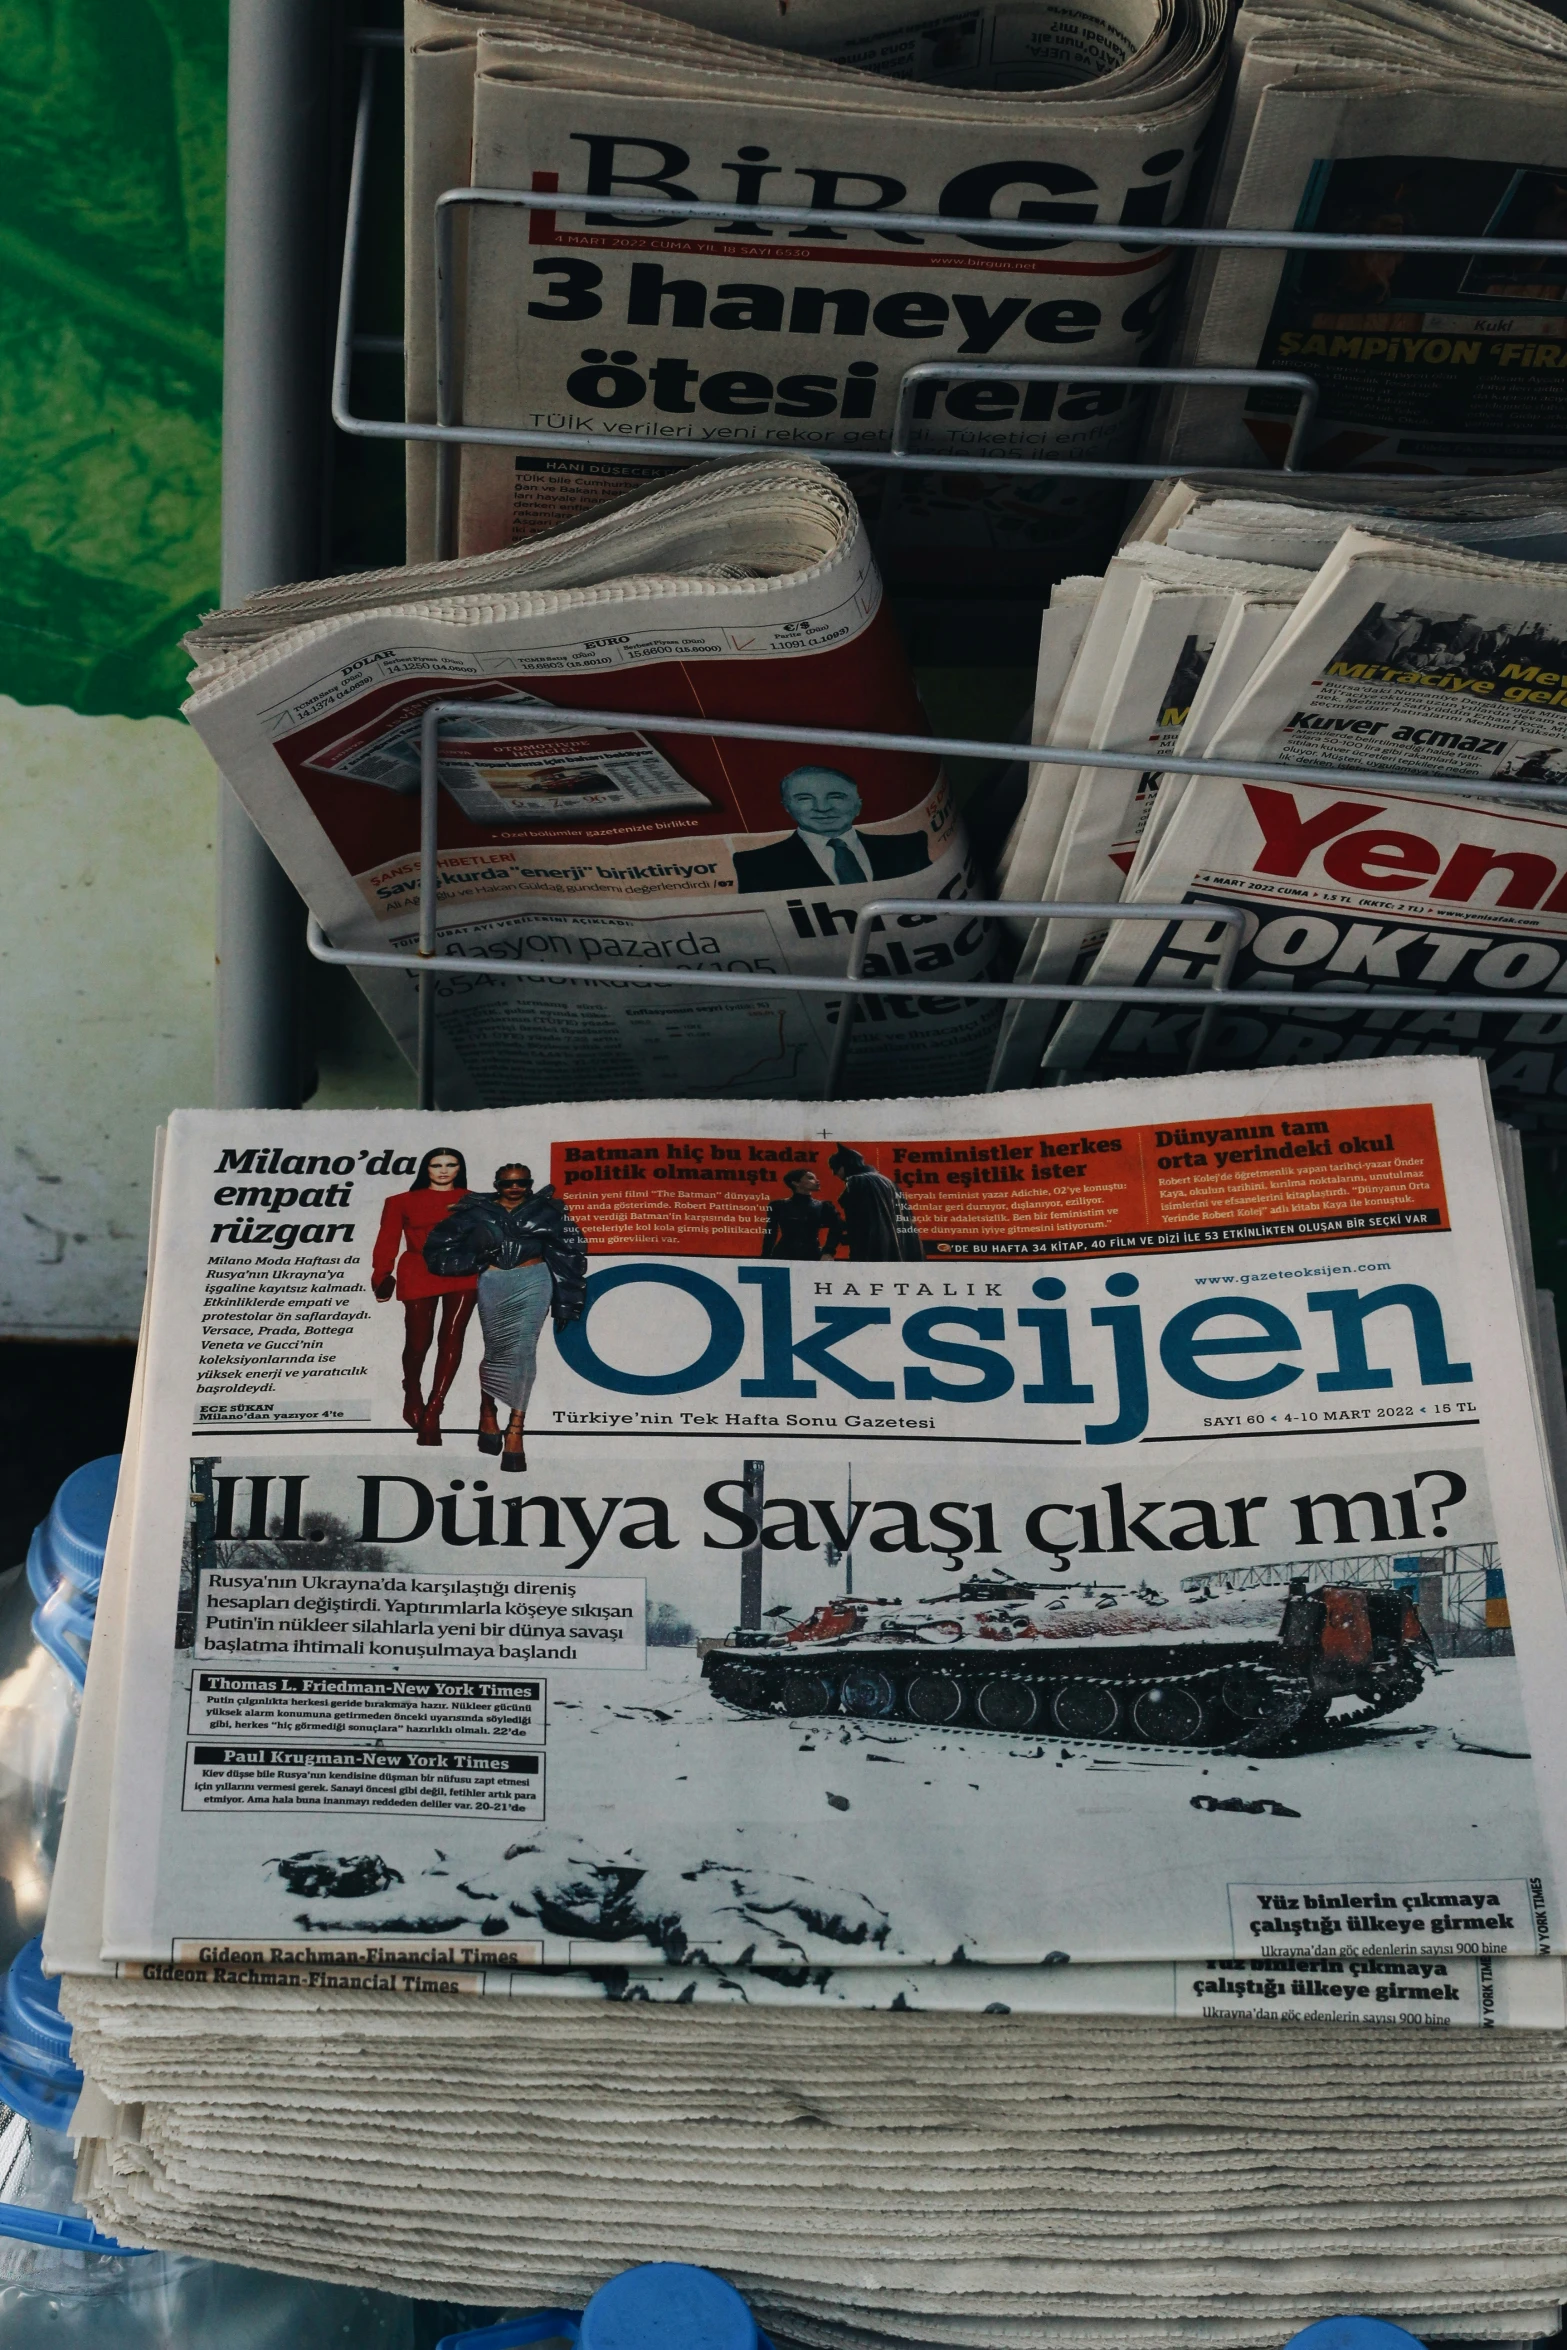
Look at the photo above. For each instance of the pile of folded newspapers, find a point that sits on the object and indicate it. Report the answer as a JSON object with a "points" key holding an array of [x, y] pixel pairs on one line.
{"points": [[1420, 635], [936, 1624], [1377, 119], [606, 856]]}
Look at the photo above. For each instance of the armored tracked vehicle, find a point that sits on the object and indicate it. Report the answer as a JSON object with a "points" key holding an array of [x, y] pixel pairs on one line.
{"points": [[1232, 1674]]}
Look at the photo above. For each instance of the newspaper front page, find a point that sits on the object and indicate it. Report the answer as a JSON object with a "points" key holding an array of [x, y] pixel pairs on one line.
{"points": [[1520, 1993], [938, 1531], [748, 594], [694, 332]]}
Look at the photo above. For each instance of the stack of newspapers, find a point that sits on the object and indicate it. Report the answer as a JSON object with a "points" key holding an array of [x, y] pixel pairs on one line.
{"points": [[1409, 645], [935, 1624], [611, 324], [1384, 119], [607, 856]]}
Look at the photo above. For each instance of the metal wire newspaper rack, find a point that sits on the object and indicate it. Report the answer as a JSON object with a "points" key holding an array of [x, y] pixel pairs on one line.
{"points": [[426, 962]]}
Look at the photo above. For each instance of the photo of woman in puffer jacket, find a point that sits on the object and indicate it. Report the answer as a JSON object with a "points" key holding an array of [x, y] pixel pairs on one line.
{"points": [[531, 1261]]}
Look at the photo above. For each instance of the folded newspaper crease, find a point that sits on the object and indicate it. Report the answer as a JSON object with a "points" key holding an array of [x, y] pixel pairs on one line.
{"points": [[567, 322], [745, 592], [1140, 679], [1418, 644], [1152, 1643]]}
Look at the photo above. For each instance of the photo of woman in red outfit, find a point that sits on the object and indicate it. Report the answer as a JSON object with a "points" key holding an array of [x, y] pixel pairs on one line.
{"points": [[407, 1220]]}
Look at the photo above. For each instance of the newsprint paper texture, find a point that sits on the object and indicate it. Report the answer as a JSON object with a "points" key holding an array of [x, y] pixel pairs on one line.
{"points": [[744, 593], [948, 1532]]}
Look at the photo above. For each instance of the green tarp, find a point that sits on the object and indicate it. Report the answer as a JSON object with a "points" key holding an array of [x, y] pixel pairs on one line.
{"points": [[111, 317]]}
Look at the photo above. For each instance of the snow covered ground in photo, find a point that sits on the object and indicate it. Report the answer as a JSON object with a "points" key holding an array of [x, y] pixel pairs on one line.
{"points": [[678, 1829]]}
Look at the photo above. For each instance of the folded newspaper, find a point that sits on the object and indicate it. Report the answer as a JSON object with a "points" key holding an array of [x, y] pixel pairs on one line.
{"points": [[978, 2181], [719, 1764], [684, 332], [1414, 645], [1388, 118], [603, 852], [833, 1373]]}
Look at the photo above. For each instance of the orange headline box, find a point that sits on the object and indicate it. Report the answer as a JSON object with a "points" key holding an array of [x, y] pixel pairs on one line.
{"points": [[1315, 1175]]}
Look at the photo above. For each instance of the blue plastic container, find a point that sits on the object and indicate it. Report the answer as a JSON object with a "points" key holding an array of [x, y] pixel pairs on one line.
{"points": [[1353, 2333], [37, 2077], [64, 2284], [46, 1623], [664, 2306], [65, 1563]]}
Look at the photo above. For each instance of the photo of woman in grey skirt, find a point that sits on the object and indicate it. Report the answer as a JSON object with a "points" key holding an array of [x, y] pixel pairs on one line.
{"points": [[532, 1262]]}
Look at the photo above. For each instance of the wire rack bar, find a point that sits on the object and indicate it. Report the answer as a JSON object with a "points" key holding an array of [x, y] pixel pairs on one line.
{"points": [[1084, 469], [960, 746], [451, 433], [426, 968], [427, 962], [1042, 228]]}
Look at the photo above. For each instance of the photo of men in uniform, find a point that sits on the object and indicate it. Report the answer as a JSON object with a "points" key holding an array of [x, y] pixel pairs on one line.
{"points": [[824, 806]]}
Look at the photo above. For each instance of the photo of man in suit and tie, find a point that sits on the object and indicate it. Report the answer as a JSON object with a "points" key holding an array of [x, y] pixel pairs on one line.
{"points": [[824, 804]]}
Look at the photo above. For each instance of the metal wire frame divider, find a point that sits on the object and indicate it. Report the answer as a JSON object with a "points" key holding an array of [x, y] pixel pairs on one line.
{"points": [[426, 962]]}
